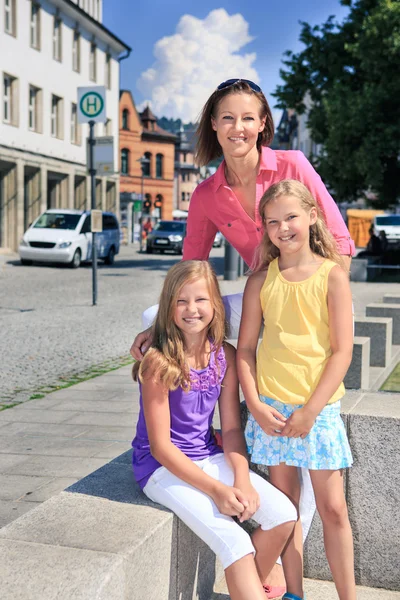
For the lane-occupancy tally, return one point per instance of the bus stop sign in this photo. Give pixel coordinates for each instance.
(92, 104)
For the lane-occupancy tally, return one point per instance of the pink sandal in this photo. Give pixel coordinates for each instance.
(274, 591)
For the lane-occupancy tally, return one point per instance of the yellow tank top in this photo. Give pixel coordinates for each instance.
(295, 345)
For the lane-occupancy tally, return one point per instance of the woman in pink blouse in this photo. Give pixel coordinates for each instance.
(236, 123)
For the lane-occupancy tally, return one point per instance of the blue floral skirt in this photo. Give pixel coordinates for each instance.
(325, 447)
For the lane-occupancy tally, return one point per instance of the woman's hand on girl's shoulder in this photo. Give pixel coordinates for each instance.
(141, 343)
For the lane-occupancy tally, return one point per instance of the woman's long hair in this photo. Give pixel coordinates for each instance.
(207, 147)
(321, 240)
(165, 360)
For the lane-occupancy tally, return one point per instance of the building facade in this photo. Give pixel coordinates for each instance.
(187, 174)
(146, 160)
(293, 132)
(49, 48)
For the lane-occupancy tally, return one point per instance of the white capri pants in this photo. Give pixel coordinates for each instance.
(197, 510)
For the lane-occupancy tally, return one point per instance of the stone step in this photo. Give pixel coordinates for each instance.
(322, 590)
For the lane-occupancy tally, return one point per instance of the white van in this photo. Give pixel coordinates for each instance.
(64, 236)
(390, 224)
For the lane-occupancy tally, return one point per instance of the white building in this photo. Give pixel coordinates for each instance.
(49, 48)
(302, 138)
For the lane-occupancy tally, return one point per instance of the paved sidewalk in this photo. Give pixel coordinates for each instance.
(50, 443)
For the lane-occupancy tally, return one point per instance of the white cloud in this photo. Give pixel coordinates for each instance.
(191, 63)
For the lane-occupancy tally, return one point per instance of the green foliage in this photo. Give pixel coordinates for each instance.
(350, 73)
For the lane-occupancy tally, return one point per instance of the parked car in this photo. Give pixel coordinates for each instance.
(64, 236)
(390, 224)
(218, 240)
(166, 235)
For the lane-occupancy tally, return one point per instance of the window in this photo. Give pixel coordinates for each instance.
(9, 17)
(146, 165)
(108, 127)
(76, 52)
(184, 158)
(107, 74)
(75, 128)
(109, 222)
(183, 196)
(34, 102)
(56, 117)
(10, 100)
(159, 165)
(92, 62)
(57, 43)
(125, 119)
(35, 26)
(86, 227)
(124, 161)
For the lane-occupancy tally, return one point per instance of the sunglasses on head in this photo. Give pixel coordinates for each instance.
(229, 82)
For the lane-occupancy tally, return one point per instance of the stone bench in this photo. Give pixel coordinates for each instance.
(102, 539)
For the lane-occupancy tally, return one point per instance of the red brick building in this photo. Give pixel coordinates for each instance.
(140, 136)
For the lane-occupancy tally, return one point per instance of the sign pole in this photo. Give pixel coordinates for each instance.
(92, 110)
(92, 172)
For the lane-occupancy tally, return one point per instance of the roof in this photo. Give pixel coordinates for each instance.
(77, 9)
(147, 114)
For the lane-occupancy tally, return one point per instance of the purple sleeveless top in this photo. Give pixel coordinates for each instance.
(191, 418)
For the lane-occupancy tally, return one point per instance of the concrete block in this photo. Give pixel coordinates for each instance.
(357, 376)
(391, 311)
(391, 298)
(196, 566)
(380, 332)
(140, 537)
(373, 491)
(359, 271)
(30, 571)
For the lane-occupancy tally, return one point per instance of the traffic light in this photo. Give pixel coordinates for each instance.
(158, 204)
(146, 205)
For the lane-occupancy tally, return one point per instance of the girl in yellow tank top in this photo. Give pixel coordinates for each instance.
(294, 381)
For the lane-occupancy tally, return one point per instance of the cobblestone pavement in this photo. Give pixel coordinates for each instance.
(49, 329)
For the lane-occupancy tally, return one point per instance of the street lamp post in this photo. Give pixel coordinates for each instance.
(143, 160)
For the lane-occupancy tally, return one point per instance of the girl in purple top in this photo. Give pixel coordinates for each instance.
(176, 460)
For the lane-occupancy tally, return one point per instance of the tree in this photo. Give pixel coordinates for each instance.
(351, 72)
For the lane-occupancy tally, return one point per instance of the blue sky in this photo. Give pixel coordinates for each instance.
(181, 51)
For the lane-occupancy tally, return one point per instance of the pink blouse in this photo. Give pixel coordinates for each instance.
(215, 207)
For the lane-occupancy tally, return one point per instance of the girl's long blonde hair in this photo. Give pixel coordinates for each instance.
(165, 360)
(321, 239)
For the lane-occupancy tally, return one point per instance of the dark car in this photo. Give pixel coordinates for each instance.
(166, 235)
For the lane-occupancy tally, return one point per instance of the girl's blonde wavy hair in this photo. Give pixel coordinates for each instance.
(165, 359)
(321, 240)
